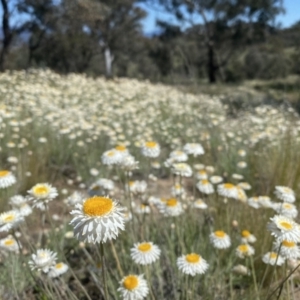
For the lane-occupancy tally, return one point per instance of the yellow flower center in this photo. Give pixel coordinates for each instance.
(41, 190)
(287, 206)
(131, 183)
(287, 190)
(220, 233)
(144, 247)
(9, 242)
(193, 258)
(59, 266)
(243, 248)
(97, 206)
(273, 255)
(111, 153)
(202, 172)
(204, 181)
(246, 233)
(3, 173)
(286, 225)
(130, 282)
(150, 144)
(9, 218)
(171, 202)
(229, 186)
(288, 244)
(120, 148)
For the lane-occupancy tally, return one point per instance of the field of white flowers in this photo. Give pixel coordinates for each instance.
(128, 190)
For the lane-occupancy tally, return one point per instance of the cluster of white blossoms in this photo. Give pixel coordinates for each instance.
(45, 260)
(121, 157)
(117, 120)
(182, 169)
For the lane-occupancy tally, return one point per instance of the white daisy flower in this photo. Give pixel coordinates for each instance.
(194, 149)
(140, 187)
(237, 176)
(178, 156)
(244, 250)
(285, 194)
(9, 244)
(265, 201)
(171, 208)
(205, 187)
(127, 215)
(128, 163)
(142, 209)
(241, 195)
(43, 260)
(228, 190)
(7, 179)
(75, 198)
(254, 202)
(133, 287)
(244, 185)
(286, 209)
(216, 179)
(94, 172)
(150, 149)
(200, 204)
(241, 164)
(242, 153)
(20, 203)
(58, 269)
(247, 237)
(273, 258)
(41, 194)
(106, 184)
(220, 239)
(155, 165)
(177, 190)
(97, 220)
(145, 253)
(10, 219)
(287, 249)
(111, 157)
(201, 174)
(182, 169)
(122, 150)
(241, 270)
(284, 228)
(192, 264)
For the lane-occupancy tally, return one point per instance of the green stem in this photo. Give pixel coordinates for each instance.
(103, 271)
(254, 277)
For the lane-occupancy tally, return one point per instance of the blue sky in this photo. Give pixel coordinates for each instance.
(291, 16)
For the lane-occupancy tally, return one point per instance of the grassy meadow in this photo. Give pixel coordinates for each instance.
(57, 130)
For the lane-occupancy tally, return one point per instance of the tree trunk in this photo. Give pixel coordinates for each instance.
(109, 58)
(7, 34)
(211, 67)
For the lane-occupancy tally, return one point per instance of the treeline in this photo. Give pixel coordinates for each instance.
(229, 41)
